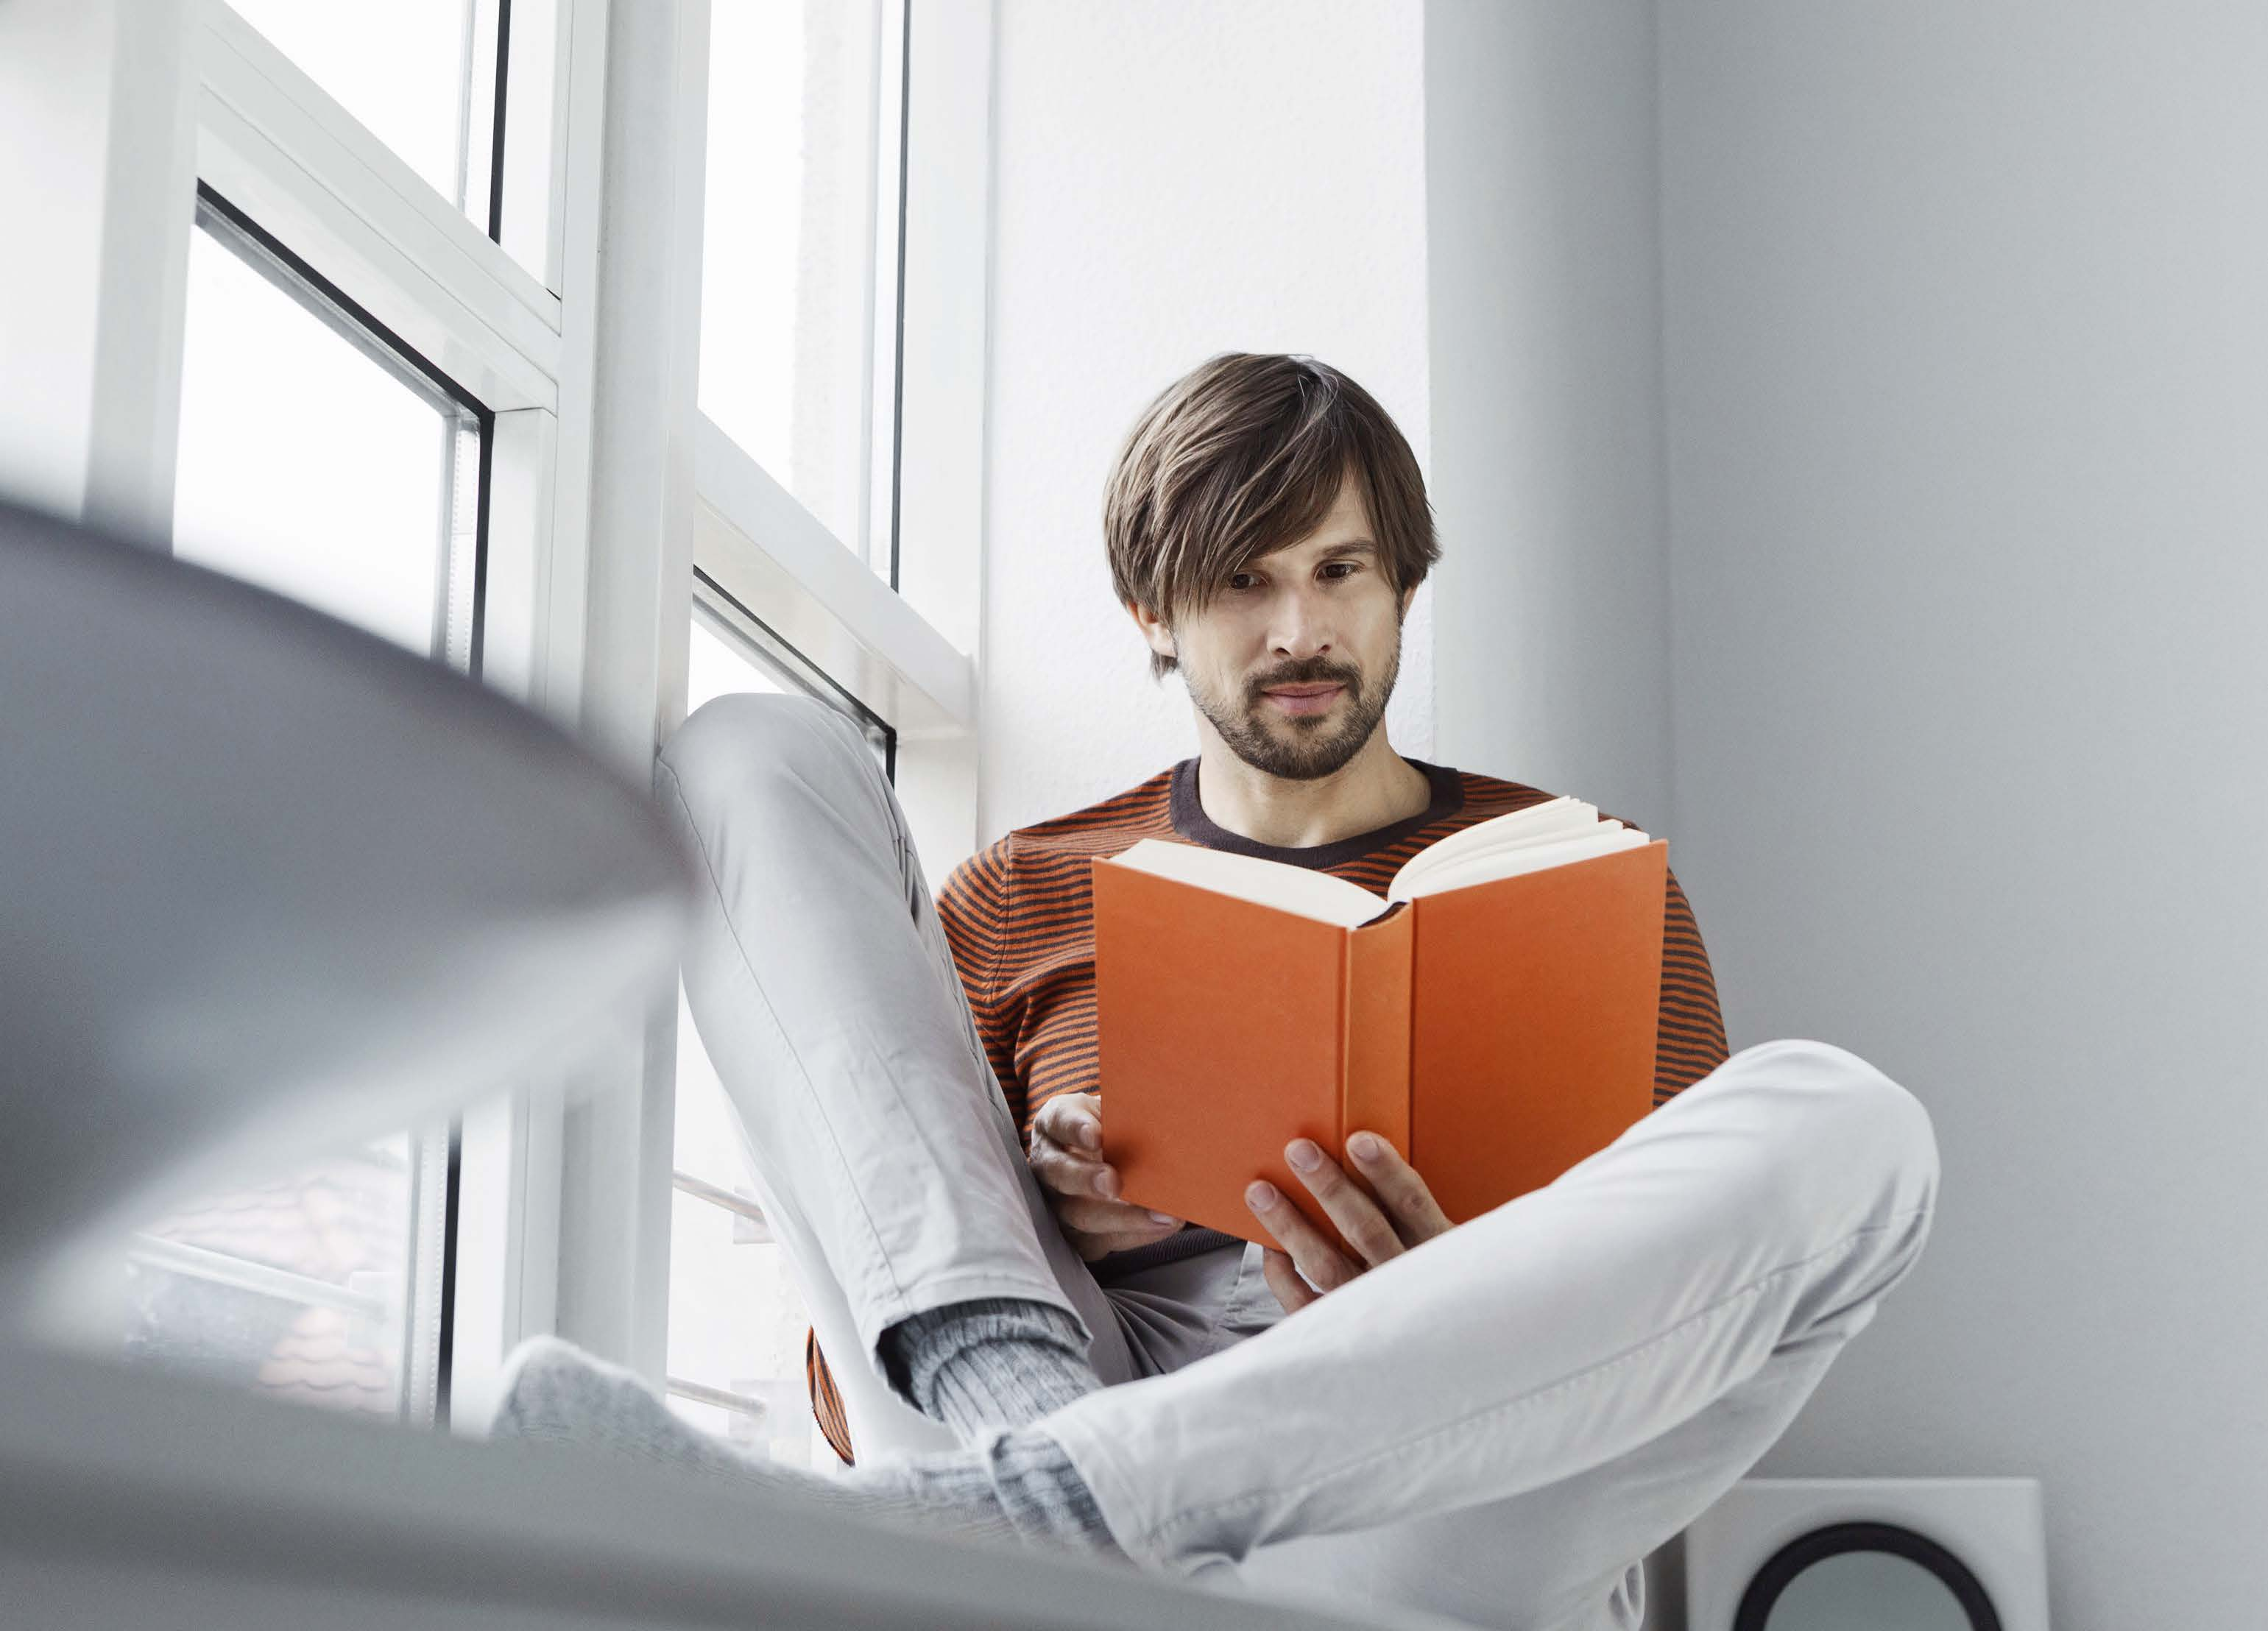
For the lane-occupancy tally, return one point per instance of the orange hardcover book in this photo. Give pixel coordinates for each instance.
(1494, 1018)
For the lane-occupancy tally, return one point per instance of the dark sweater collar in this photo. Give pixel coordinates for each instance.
(1191, 822)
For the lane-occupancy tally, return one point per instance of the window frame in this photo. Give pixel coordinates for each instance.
(599, 510)
(728, 518)
(290, 160)
(904, 643)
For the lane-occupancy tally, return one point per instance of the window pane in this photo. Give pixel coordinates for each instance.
(736, 1323)
(297, 1289)
(707, 1140)
(313, 462)
(716, 668)
(799, 250)
(728, 655)
(310, 468)
(404, 69)
(736, 1333)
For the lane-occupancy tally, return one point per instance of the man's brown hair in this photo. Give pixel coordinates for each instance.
(1241, 456)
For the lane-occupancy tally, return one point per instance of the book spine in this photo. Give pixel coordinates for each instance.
(1374, 1017)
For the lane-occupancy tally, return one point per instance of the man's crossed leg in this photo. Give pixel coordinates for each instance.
(1495, 1426)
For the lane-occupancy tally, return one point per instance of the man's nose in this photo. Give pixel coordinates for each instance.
(1301, 627)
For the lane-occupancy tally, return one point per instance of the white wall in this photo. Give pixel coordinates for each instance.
(1552, 662)
(1967, 354)
(1170, 182)
(1962, 343)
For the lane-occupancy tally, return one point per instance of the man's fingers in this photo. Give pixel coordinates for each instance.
(1089, 1216)
(1083, 1189)
(1093, 1244)
(1074, 1121)
(1321, 1262)
(1357, 1218)
(1284, 1280)
(1067, 1172)
(1416, 1216)
(1090, 1247)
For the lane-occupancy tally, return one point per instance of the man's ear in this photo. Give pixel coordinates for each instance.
(1153, 629)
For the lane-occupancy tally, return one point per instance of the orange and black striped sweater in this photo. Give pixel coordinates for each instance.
(1019, 921)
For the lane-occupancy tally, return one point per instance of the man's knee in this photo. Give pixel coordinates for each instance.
(1834, 1117)
(736, 750)
(1886, 1131)
(1856, 1160)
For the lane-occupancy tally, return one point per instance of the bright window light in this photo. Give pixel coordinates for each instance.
(308, 467)
(313, 462)
(298, 1288)
(799, 252)
(736, 1324)
(716, 667)
(402, 68)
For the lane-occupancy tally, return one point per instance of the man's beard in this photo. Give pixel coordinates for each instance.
(1294, 747)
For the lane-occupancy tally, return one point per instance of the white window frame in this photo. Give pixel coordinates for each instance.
(756, 543)
(138, 106)
(760, 553)
(601, 502)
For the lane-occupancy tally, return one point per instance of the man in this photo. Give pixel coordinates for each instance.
(1494, 1421)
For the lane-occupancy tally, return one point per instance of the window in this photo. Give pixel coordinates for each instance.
(314, 459)
(800, 254)
(361, 369)
(824, 122)
(303, 1287)
(737, 1323)
(433, 81)
(365, 377)
(718, 664)
(405, 72)
(318, 461)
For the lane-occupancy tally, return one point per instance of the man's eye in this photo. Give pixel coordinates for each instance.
(1233, 576)
(1352, 568)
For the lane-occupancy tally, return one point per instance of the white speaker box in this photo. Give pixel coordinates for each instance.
(1768, 1541)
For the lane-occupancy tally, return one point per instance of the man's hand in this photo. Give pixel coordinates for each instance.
(1066, 1155)
(1312, 1264)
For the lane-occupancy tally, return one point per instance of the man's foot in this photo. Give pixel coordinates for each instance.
(1014, 1486)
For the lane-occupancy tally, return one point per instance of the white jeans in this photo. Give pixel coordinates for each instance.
(1496, 1426)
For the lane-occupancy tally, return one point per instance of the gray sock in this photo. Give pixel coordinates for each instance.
(1018, 1485)
(993, 1362)
(1041, 1493)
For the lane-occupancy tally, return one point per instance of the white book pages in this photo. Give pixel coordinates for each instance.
(1295, 889)
(1547, 822)
(1488, 868)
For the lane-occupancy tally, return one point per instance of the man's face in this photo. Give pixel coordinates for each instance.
(1316, 612)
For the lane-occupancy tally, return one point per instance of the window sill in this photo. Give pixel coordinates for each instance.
(128, 1498)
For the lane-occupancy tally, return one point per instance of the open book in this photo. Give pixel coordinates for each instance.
(1494, 1018)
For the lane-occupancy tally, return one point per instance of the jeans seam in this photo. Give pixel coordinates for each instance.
(1152, 1537)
